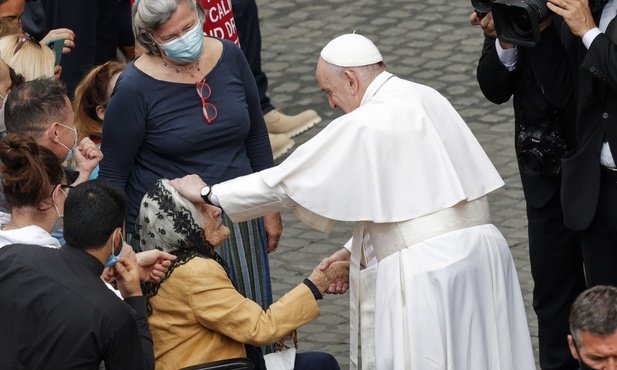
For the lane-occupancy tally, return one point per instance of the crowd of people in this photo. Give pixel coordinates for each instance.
(140, 200)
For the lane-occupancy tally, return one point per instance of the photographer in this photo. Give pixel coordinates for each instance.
(590, 175)
(543, 109)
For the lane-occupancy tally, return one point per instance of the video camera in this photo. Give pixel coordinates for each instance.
(518, 21)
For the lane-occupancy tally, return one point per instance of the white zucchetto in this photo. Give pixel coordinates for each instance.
(351, 50)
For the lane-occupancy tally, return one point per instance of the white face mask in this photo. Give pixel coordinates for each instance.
(71, 150)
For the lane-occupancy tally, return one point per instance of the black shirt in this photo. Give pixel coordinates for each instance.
(57, 313)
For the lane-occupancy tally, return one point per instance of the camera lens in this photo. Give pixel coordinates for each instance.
(531, 161)
(521, 22)
(482, 6)
(518, 21)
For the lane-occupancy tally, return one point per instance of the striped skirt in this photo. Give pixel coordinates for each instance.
(246, 254)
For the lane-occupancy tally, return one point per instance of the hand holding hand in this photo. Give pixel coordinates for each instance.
(153, 265)
(337, 272)
(337, 287)
(190, 187)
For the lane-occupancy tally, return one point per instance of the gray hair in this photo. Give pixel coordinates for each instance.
(364, 73)
(594, 311)
(148, 15)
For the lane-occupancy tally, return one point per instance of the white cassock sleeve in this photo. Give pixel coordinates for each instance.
(248, 197)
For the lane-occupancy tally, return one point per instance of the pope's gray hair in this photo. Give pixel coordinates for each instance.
(365, 73)
(148, 15)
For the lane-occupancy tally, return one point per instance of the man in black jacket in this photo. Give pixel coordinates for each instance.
(56, 312)
(589, 190)
(543, 104)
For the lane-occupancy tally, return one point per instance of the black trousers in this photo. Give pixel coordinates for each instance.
(247, 23)
(599, 241)
(557, 270)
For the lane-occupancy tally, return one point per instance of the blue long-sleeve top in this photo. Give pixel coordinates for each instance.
(156, 129)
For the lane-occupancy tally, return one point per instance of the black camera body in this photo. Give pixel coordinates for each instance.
(541, 148)
(518, 21)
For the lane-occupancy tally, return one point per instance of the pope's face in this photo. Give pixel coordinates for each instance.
(335, 88)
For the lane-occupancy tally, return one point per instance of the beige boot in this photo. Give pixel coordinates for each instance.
(280, 144)
(280, 123)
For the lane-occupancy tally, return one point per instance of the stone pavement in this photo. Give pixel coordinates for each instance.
(430, 42)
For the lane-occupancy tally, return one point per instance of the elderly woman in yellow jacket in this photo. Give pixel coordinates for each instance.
(196, 315)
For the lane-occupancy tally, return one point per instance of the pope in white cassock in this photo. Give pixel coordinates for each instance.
(432, 281)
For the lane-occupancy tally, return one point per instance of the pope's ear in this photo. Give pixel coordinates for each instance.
(351, 81)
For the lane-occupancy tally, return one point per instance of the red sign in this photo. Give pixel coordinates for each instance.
(220, 20)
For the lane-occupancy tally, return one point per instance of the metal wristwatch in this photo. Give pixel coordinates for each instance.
(205, 194)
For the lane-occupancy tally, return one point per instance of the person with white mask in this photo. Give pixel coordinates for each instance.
(40, 108)
(35, 187)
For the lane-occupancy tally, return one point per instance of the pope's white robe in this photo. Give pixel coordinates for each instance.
(404, 164)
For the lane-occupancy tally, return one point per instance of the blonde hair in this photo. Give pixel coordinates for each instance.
(31, 60)
(92, 91)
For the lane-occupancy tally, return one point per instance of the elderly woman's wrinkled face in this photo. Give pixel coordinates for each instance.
(214, 229)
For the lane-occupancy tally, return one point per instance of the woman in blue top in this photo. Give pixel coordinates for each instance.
(189, 104)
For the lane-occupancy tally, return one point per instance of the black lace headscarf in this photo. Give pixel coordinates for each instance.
(169, 222)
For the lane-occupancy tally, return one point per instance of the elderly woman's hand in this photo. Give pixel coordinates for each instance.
(274, 228)
(153, 265)
(337, 272)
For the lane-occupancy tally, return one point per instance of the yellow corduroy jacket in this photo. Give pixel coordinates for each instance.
(198, 316)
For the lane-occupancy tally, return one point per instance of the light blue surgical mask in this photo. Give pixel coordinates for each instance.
(71, 150)
(186, 48)
(113, 259)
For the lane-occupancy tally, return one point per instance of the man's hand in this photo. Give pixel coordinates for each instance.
(576, 13)
(66, 34)
(336, 272)
(153, 265)
(190, 187)
(126, 274)
(274, 228)
(87, 156)
(337, 287)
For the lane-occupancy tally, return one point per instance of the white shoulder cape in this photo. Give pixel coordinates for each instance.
(404, 153)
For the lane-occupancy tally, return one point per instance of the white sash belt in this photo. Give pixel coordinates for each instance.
(389, 238)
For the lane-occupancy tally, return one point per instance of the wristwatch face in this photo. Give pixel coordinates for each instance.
(205, 191)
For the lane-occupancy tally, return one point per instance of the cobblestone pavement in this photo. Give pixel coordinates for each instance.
(429, 42)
